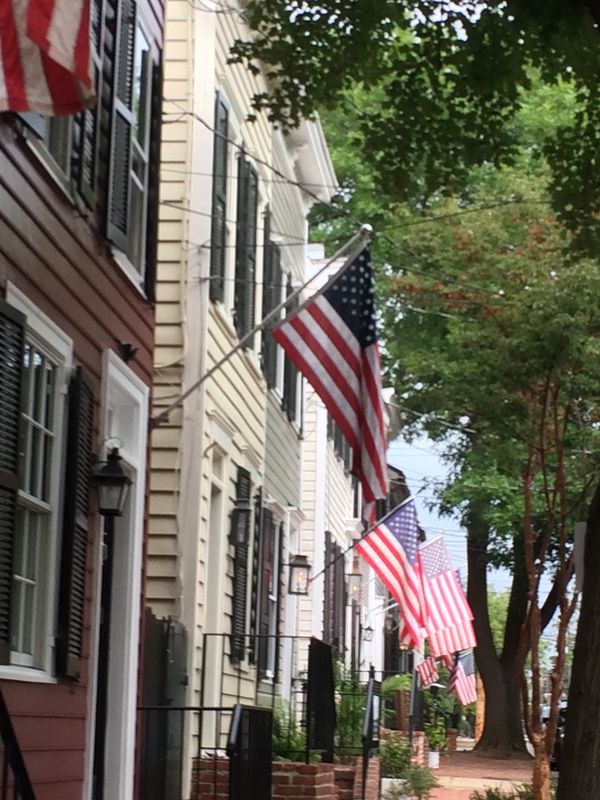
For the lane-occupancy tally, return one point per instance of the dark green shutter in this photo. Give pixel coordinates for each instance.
(328, 591)
(245, 248)
(267, 555)
(290, 370)
(218, 236)
(12, 340)
(280, 592)
(258, 515)
(271, 298)
(240, 577)
(75, 527)
(153, 182)
(84, 144)
(120, 156)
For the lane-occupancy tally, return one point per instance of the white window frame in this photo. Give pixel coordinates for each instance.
(135, 275)
(45, 334)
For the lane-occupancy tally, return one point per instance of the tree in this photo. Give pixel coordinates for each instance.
(449, 76)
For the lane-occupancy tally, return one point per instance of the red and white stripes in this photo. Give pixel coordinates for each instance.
(45, 56)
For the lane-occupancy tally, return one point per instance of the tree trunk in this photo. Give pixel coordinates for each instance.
(580, 755)
(502, 728)
(542, 786)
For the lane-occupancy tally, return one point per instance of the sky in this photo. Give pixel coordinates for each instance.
(421, 464)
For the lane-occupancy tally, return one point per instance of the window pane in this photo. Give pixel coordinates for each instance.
(38, 386)
(49, 399)
(58, 140)
(140, 88)
(33, 482)
(47, 468)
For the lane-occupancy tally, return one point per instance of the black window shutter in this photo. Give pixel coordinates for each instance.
(328, 590)
(218, 237)
(255, 577)
(280, 589)
(339, 602)
(271, 298)
(121, 123)
(245, 248)
(240, 577)
(75, 526)
(290, 370)
(12, 340)
(267, 555)
(153, 182)
(84, 145)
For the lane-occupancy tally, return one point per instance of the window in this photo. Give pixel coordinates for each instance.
(105, 154)
(270, 590)
(71, 142)
(129, 179)
(245, 248)
(341, 446)
(38, 392)
(218, 238)
(271, 298)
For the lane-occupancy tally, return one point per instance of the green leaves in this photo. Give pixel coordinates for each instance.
(450, 80)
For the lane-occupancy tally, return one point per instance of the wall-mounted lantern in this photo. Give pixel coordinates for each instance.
(299, 575)
(240, 522)
(113, 485)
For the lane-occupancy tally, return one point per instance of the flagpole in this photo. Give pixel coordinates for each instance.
(363, 235)
(360, 539)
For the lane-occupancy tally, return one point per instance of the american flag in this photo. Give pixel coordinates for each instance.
(391, 549)
(333, 342)
(462, 679)
(428, 672)
(45, 56)
(448, 616)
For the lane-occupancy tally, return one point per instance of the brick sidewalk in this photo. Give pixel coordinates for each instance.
(462, 773)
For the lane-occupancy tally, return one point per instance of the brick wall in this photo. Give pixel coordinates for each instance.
(210, 779)
(291, 781)
(373, 779)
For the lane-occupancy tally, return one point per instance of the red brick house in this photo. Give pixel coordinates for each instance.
(78, 208)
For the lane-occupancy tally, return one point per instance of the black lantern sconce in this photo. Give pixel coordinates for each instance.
(113, 485)
(367, 634)
(241, 517)
(354, 582)
(299, 575)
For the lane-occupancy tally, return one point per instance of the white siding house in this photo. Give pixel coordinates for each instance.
(232, 242)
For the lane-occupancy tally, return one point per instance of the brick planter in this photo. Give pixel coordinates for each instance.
(292, 781)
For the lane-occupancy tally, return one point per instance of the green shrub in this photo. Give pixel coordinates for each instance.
(289, 740)
(524, 792)
(421, 781)
(418, 783)
(395, 683)
(436, 736)
(395, 752)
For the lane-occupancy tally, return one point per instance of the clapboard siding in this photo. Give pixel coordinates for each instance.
(58, 257)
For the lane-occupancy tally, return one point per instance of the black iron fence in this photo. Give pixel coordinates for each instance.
(14, 778)
(215, 753)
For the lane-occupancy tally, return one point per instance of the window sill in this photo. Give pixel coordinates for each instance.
(129, 270)
(26, 675)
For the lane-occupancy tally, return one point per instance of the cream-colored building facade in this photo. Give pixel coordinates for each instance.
(226, 503)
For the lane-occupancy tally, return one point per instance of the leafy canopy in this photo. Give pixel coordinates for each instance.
(446, 80)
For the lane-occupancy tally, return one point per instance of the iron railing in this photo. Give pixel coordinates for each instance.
(14, 778)
(187, 751)
(370, 731)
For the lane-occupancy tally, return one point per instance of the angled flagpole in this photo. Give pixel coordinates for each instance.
(363, 236)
